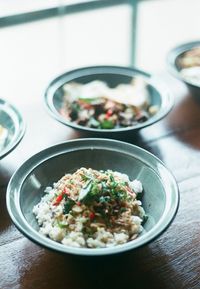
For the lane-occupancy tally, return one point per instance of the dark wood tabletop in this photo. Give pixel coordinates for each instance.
(170, 262)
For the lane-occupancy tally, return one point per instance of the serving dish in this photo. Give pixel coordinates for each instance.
(12, 122)
(160, 198)
(174, 63)
(158, 94)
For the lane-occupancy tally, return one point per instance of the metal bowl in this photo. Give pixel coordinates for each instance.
(26, 187)
(12, 121)
(174, 66)
(112, 75)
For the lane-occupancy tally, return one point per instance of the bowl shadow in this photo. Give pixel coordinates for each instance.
(133, 269)
(132, 137)
(184, 120)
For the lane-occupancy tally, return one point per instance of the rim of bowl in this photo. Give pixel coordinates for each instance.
(173, 55)
(169, 184)
(19, 126)
(166, 98)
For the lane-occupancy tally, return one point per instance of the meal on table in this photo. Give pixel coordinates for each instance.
(91, 209)
(3, 136)
(190, 65)
(96, 105)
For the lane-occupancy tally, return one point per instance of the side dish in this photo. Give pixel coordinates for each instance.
(190, 65)
(91, 209)
(96, 105)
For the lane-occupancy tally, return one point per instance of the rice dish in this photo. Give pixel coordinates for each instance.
(91, 209)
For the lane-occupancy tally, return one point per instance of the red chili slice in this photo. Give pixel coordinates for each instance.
(92, 216)
(58, 199)
(108, 113)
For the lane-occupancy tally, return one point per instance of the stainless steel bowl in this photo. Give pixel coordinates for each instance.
(26, 187)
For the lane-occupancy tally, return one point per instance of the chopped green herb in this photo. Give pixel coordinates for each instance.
(61, 225)
(104, 187)
(95, 189)
(114, 185)
(85, 190)
(112, 178)
(85, 178)
(65, 197)
(68, 206)
(122, 210)
(119, 195)
(104, 199)
(107, 124)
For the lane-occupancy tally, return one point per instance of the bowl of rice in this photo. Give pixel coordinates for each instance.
(92, 197)
(107, 99)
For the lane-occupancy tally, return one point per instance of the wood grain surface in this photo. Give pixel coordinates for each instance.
(170, 262)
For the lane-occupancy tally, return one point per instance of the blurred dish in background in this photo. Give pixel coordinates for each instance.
(97, 105)
(108, 99)
(184, 63)
(12, 128)
(190, 65)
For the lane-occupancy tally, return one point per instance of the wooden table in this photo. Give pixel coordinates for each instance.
(171, 261)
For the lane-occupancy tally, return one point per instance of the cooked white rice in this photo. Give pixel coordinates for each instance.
(90, 208)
